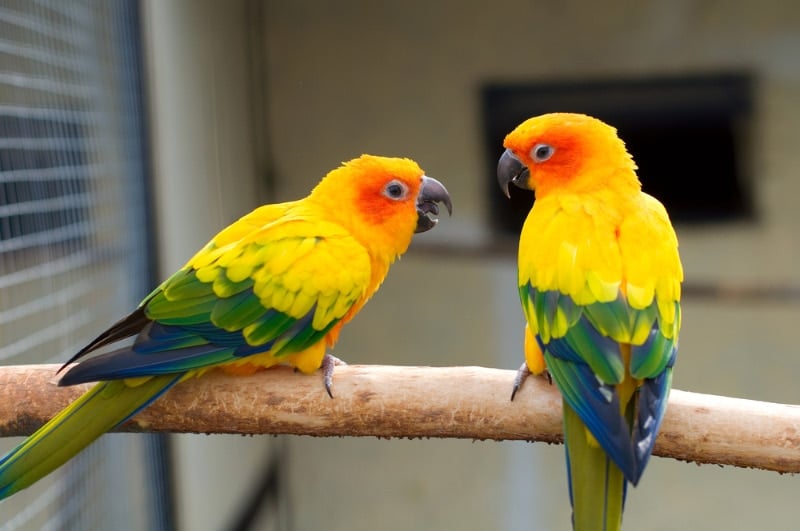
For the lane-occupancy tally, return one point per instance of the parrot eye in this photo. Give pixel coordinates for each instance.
(542, 152)
(395, 190)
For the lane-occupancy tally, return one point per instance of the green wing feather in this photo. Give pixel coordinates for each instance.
(272, 278)
(99, 410)
(278, 290)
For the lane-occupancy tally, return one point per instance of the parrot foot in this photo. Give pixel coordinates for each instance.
(522, 373)
(329, 362)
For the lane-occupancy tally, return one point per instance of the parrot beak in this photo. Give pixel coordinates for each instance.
(431, 193)
(511, 170)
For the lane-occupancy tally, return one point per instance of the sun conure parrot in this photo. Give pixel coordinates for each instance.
(275, 287)
(599, 279)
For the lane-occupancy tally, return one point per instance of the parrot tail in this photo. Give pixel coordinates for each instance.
(596, 485)
(99, 410)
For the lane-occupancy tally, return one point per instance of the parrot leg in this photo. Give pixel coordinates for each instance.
(329, 362)
(522, 373)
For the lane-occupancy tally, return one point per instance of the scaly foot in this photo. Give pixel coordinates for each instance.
(522, 373)
(329, 362)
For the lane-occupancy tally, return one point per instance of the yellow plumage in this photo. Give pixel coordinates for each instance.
(599, 280)
(274, 287)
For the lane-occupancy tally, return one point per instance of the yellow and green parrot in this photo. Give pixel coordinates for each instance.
(275, 287)
(599, 278)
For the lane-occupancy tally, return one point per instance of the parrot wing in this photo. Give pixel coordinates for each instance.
(135, 322)
(278, 289)
(600, 334)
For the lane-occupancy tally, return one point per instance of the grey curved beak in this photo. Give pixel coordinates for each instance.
(431, 193)
(511, 170)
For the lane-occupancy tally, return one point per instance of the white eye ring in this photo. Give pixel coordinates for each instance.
(542, 152)
(395, 190)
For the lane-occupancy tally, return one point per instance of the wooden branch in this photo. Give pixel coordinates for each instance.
(389, 401)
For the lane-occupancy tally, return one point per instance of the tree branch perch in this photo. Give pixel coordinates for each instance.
(390, 401)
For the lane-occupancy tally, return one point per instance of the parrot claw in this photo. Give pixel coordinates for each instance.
(522, 373)
(329, 362)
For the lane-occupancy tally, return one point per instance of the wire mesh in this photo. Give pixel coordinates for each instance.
(74, 233)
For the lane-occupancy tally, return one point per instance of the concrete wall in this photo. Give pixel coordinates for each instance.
(348, 77)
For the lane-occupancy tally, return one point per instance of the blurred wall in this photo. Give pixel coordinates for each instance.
(344, 78)
(351, 77)
(206, 176)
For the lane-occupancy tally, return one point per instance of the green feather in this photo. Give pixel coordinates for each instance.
(100, 409)
(650, 359)
(642, 322)
(571, 311)
(185, 285)
(237, 312)
(181, 312)
(606, 364)
(611, 318)
(544, 314)
(302, 340)
(267, 328)
(596, 484)
(225, 287)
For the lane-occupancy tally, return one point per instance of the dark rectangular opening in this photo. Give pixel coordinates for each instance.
(688, 136)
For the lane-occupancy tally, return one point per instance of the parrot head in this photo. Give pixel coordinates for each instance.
(565, 151)
(383, 201)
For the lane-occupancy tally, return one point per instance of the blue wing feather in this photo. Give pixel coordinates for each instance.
(188, 323)
(598, 406)
(652, 404)
(127, 363)
(162, 349)
(649, 359)
(584, 344)
(585, 362)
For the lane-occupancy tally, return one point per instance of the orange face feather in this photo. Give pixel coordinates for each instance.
(387, 197)
(375, 199)
(570, 152)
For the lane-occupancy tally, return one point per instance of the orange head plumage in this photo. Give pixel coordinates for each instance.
(382, 201)
(567, 152)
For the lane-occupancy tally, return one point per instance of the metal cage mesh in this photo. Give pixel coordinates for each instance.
(74, 233)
